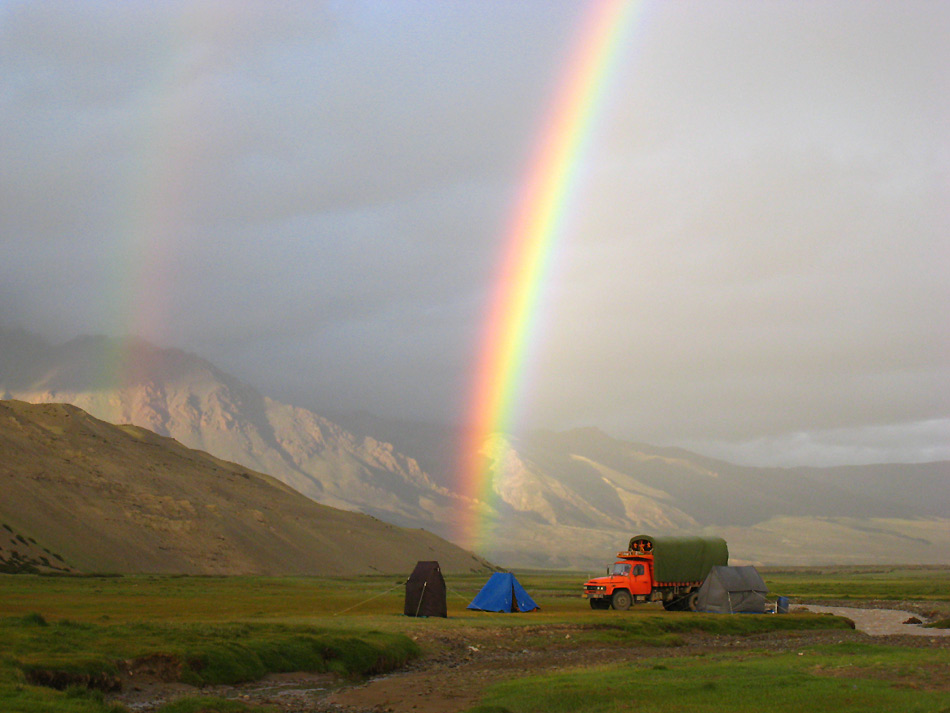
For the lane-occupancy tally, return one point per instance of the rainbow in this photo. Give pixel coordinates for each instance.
(149, 228)
(527, 252)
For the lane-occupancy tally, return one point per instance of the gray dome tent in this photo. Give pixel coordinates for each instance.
(732, 590)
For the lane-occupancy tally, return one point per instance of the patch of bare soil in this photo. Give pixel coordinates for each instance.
(461, 663)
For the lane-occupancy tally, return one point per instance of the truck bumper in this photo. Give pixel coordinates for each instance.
(594, 595)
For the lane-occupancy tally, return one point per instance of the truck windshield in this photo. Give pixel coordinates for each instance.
(620, 569)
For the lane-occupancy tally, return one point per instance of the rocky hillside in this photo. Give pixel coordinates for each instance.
(80, 494)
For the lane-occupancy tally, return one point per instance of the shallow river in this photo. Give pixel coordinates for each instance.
(880, 622)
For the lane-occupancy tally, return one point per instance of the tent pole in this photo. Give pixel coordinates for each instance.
(421, 595)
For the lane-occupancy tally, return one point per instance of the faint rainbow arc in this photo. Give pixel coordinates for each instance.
(167, 143)
(528, 246)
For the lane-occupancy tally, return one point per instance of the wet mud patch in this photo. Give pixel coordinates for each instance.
(298, 692)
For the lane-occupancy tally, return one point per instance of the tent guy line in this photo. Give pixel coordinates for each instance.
(375, 596)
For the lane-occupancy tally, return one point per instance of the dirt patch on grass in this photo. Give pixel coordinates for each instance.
(297, 692)
(158, 667)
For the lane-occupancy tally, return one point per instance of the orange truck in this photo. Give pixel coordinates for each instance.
(665, 569)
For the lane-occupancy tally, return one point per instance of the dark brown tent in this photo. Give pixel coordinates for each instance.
(425, 591)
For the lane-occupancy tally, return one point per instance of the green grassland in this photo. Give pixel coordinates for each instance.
(75, 632)
(865, 677)
(854, 678)
(898, 583)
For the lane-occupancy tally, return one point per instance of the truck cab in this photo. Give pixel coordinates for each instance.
(630, 577)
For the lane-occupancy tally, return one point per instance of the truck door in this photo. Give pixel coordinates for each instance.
(639, 580)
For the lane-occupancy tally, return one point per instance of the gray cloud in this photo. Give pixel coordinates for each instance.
(753, 259)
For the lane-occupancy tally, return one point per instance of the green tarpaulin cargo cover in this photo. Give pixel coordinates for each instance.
(683, 559)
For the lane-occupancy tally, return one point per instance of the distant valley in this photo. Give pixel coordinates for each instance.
(560, 499)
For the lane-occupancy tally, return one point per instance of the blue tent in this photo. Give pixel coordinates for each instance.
(503, 593)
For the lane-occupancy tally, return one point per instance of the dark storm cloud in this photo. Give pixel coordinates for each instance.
(753, 261)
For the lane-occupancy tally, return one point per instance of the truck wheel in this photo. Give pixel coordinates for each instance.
(620, 600)
(599, 604)
(692, 601)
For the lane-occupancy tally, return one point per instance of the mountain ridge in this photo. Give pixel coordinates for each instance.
(559, 499)
(177, 394)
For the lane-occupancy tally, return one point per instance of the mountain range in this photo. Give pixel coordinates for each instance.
(567, 499)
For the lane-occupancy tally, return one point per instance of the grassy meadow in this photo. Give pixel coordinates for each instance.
(919, 583)
(850, 678)
(76, 633)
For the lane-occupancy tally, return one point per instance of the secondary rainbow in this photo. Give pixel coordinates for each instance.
(530, 241)
(169, 127)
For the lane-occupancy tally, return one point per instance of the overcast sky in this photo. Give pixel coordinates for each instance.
(755, 262)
